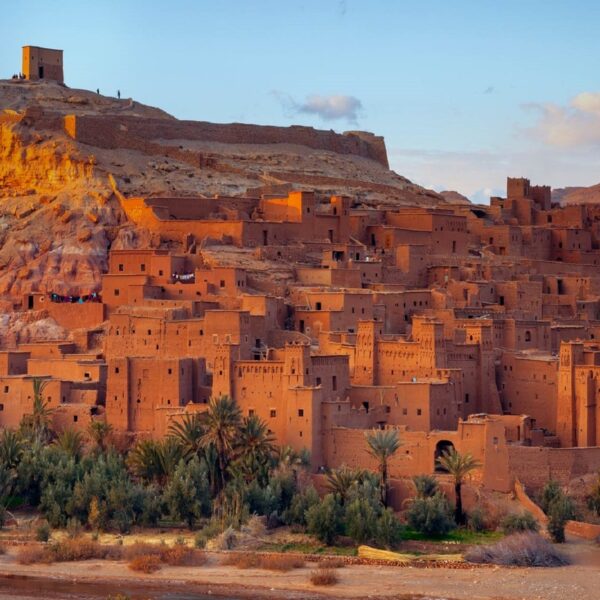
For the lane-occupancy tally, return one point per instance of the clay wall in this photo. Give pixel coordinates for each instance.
(125, 131)
(13, 363)
(528, 386)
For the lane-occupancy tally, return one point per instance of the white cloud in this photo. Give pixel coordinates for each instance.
(328, 108)
(333, 107)
(574, 125)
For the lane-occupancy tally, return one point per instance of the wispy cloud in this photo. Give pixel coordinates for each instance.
(574, 125)
(328, 108)
(489, 90)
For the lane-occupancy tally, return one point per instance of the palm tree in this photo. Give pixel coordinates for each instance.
(383, 444)
(11, 448)
(71, 442)
(100, 433)
(458, 466)
(340, 481)
(189, 433)
(38, 422)
(222, 421)
(145, 460)
(255, 448)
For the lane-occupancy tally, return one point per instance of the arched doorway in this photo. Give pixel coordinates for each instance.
(440, 448)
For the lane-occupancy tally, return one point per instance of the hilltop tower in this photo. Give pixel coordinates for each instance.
(42, 64)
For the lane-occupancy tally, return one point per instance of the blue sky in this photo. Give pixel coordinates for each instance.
(465, 92)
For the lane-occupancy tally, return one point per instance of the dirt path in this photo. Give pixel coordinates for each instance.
(580, 581)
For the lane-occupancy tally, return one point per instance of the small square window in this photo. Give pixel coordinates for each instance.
(75, 418)
(419, 411)
(117, 292)
(170, 371)
(116, 369)
(142, 267)
(273, 413)
(1, 407)
(222, 283)
(300, 412)
(250, 412)
(6, 389)
(405, 411)
(120, 267)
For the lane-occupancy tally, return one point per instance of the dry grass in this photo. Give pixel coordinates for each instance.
(323, 576)
(280, 562)
(522, 550)
(332, 563)
(74, 549)
(180, 556)
(241, 560)
(30, 555)
(270, 562)
(145, 563)
(142, 549)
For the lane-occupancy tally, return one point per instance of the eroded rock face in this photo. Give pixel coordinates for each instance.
(32, 326)
(58, 212)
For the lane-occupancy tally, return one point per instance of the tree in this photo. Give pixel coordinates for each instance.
(458, 466)
(187, 495)
(324, 520)
(560, 511)
(593, 498)
(146, 462)
(255, 449)
(11, 448)
(222, 421)
(430, 515)
(38, 422)
(189, 432)
(100, 433)
(71, 442)
(383, 444)
(340, 481)
(426, 485)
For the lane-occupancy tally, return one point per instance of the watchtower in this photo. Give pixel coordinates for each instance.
(42, 63)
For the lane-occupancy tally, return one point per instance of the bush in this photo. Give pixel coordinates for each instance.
(476, 520)
(30, 555)
(324, 577)
(74, 528)
(388, 532)
(299, 507)
(74, 549)
(241, 560)
(145, 563)
(280, 562)
(521, 550)
(431, 516)
(361, 520)
(332, 563)
(324, 520)
(560, 511)
(426, 485)
(180, 556)
(550, 493)
(593, 498)
(43, 532)
(519, 522)
(142, 549)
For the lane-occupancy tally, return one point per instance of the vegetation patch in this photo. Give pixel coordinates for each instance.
(324, 576)
(521, 550)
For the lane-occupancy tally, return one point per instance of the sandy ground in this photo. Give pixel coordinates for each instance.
(580, 581)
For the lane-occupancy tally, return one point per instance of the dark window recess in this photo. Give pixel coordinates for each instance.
(300, 412)
(273, 413)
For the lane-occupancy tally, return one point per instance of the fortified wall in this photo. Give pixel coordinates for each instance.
(136, 132)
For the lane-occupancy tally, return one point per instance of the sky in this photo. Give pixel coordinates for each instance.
(465, 92)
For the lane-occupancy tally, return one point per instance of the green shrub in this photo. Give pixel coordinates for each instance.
(560, 511)
(519, 522)
(476, 520)
(389, 530)
(324, 520)
(301, 503)
(43, 532)
(431, 516)
(549, 494)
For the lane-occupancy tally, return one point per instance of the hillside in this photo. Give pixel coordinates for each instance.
(59, 146)
(577, 195)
